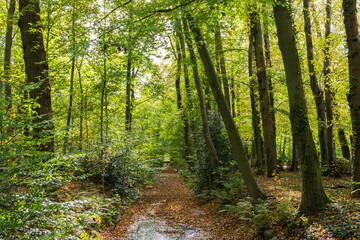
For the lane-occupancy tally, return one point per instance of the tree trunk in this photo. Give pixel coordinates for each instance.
(269, 78)
(102, 107)
(344, 144)
(267, 120)
(36, 69)
(295, 157)
(71, 93)
(188, 103)
(232, 92)
(222, 66)
(128, 94)
(313, 196)
(328, 92)
(203, 112)
(7, 55)
(353, 42)
(317, 92)
(259, 147)
(81, 107)
(248, 176)
(179, 100)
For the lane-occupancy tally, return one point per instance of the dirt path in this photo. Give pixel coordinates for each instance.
(174, 213)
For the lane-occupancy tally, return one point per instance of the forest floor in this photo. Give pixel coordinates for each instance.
(169, 210)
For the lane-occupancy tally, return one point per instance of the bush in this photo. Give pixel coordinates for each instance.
(263, 215)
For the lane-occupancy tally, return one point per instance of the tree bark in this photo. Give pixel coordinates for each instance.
(317, 92)
(71, 92)
(222, 66)
(203, 112)
(7, 55)
(313, 196)
(269, 78)
(328, 92)
(343, 143)
(128, 93)
(267, 120)
(248, 176)
(353, 43)
(258, 141)
(179, 100)
(36, 68)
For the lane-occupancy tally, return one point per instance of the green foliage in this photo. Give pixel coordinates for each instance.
(230, 188)
(263, 215)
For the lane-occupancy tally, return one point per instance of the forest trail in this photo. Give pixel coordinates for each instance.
(169, 210)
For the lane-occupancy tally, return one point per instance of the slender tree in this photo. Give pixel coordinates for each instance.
(266, 117)
(36, 68)
(353, 43)
(328, 92)
(7, 55)
(221, 58)
(203, 112)
(313, 196)
(316, 90)
(258, 141)
(241, 157)
(72, 74)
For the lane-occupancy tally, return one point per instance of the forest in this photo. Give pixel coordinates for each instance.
(181, 119)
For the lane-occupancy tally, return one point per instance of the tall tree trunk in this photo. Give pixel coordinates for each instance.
(7, 55)
(179, 99)
(259, 147)
(188, 103)
(102, 106)
(328, 92)
(241, 157)
(317, 92)
(269, 78)
(128, 93)
(267, 120)
(343, 143)
(81, 107)
(232, 92)
(36, 68)
(313, 196)
(221, 57)
(71, 92)
(353, 42)
(203, 112)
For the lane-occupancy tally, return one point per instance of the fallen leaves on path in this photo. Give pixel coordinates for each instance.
(173, 202)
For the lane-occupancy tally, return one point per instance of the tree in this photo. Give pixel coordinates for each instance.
(328, 92)
(7, 54)
(267, 119)
(316, 90)
(313, 197)
(258, 141)
(36, 69)
(203, 112)
(353, 43)
(241, 157)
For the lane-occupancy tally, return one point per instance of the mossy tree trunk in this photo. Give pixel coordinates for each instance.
(36, 68)
(258, 141)
(313, 196)
(353, 43)
(328, 92)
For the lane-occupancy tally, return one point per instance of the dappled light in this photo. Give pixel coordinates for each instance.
(179, 119)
